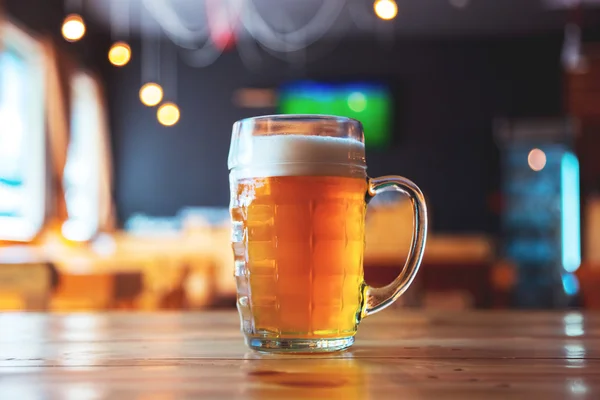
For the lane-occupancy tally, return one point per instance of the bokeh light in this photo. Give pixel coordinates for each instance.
(168, 114)
(119, 54)
(385, 9)
(570, 284)
(73, 28)
(536, 159)
(151, 94)
(357, 102)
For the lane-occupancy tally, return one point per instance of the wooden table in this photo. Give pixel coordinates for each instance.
(397, 355)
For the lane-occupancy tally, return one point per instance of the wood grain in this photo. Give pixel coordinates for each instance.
(407, 354)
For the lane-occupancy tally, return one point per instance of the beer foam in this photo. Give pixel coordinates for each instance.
(293, 155)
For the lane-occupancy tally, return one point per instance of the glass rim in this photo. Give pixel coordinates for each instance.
(300, 118)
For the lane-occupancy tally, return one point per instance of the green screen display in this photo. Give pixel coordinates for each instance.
(369, 103)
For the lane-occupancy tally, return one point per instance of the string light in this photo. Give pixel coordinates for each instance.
(250, 18)
(151, 94)
(73, 28)
(168, 114)
(385, 9)
(119, 54)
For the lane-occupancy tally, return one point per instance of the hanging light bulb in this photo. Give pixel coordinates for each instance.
(119, 54)
(168, 114)
(385, 9)
(151, 94)
(73, 27)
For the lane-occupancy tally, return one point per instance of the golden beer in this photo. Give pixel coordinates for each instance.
(298, 247)
(299, 188)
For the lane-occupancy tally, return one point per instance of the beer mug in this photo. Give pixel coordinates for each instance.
(299, 194)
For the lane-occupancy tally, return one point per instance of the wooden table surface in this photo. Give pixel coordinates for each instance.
(398, 354)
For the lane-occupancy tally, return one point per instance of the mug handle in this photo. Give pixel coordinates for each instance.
(376, 299)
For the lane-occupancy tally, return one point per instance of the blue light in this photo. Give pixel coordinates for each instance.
(570, 284)
(570, 217)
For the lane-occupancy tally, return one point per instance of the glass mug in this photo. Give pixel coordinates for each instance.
(299, 193)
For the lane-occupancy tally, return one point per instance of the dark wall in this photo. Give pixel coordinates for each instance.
(45, 18)
(448, 93)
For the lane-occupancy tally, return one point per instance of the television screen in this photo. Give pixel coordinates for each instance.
(369, 103)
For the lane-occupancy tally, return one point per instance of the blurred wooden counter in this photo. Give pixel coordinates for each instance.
(408, 355)
(457, 271)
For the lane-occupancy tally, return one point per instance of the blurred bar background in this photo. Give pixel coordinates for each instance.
(115, 121)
